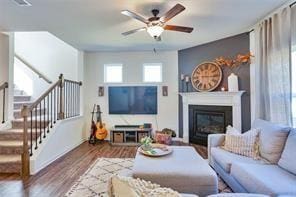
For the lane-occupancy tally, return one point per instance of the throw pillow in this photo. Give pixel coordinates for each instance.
(245, 144)
(288, 158)
(162, 138)
(272, 139)
(128, 186)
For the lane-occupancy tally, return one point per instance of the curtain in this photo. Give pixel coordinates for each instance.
(293, 34)
(273, 68)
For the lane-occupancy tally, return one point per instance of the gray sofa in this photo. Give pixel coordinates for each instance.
(274, 174)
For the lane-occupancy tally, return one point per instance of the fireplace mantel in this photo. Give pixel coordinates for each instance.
(217, 98)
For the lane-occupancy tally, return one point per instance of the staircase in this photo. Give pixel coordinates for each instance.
(11, 140)
(32, 122)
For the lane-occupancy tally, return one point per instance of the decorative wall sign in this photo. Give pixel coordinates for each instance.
(165, 91)
(101, 90)
(206, 76)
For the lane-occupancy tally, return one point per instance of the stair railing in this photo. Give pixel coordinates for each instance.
(60, 101)
(3, 88)
(31, 67)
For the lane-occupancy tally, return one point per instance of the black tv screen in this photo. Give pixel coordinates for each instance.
(133, 100)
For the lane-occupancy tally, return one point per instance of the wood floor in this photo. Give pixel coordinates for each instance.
(57, 178)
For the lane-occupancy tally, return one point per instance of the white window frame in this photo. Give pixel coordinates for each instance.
(153, 64)
(113, 65)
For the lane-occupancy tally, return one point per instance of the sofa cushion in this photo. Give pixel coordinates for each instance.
(225, 158)
(128, 186)
(265, 179)
(288, 158)
(272, 139)
(245, 144)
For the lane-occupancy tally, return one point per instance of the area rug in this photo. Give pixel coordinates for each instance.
(94, 182)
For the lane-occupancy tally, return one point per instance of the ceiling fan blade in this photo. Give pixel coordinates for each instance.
(178, 8)
(178, 28)
(135, 16)
(134, 31)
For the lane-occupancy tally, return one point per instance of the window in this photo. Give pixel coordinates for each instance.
(152, 72)
(294, 86)
(113, 73)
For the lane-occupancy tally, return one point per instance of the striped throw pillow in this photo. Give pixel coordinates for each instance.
(246, 144)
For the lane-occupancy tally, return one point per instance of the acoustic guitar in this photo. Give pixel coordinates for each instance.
(101, 132)
(92, 137)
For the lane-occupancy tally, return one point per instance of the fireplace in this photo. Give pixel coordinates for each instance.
(207, 119)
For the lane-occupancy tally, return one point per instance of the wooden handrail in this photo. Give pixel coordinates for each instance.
(76, 82)
(35, 70)
(3, 86)
(60, 101)
(45, 94)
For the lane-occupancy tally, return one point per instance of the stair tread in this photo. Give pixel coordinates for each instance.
(34, 118)
(11, 131)
(10, 159)
(11, 143)
(19, 110)
(23, 102)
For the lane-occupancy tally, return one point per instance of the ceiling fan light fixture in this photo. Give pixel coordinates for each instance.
(155, 30)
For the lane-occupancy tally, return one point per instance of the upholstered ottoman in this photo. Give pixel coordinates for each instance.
(184, 171)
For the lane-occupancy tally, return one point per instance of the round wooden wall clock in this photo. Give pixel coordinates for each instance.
(206, 76)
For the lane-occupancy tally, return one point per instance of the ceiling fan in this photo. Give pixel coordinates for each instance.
(155, 24)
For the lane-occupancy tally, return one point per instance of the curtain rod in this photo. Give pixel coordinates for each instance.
(291, 5)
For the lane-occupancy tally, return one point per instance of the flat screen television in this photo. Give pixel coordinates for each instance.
(132, 99)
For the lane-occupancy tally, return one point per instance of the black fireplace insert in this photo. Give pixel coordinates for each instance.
(205, 120)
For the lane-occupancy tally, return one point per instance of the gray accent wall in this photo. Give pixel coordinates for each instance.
(228, 47)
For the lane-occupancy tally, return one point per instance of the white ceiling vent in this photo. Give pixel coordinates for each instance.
(22, 3)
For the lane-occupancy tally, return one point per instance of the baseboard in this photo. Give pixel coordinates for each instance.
(45, 164)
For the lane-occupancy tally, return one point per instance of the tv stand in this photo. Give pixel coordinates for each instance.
(128, 136)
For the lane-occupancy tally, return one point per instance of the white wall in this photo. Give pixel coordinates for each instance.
(167, 116)
(50, 55)
(65, 136)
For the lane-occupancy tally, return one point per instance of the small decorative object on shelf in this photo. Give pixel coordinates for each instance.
(234, 66)
(101, 90)
(165, 91)
(187, 81)
(182, 82)
(223, 89)
(232, 83)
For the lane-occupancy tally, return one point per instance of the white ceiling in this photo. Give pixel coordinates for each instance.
(96, 25)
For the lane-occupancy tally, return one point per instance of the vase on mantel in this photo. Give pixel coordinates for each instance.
(232, 83)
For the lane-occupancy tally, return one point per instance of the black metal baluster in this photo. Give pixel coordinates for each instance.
(75, 99)
(58, 102)
(47, 109)
(36, 129)
(54, 108)
(70, 98)
(79, 99)
(51, 110)
(31, 134)
(44, 119)
(65, 98)
(40, 124)
(3, 107)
